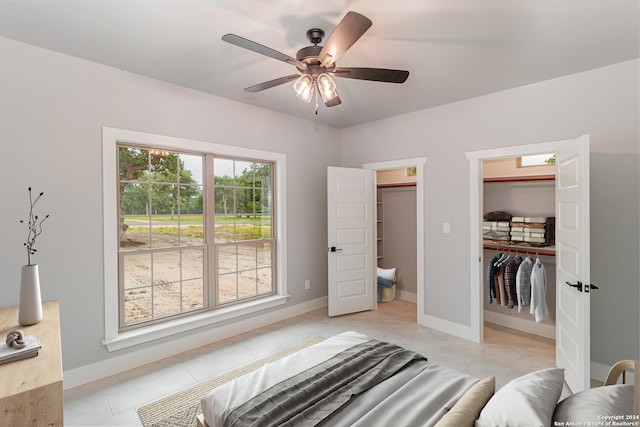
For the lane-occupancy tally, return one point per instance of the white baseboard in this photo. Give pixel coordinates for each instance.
(120, 363)
(542, 329)
(407, 296)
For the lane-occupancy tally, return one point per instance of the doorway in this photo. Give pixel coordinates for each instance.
(417, 165)
(572, 250)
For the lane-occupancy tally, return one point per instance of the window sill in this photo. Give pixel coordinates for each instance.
(163, 330)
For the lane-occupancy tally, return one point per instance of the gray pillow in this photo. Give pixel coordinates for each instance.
(593, 404)
(527, 401)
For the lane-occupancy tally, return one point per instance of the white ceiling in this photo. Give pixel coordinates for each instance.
(454, 49)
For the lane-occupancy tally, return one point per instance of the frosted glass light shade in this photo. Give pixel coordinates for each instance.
(303, 87)
(326, 87)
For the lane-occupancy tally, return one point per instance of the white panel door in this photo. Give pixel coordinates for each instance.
(572, 263)
(350, 221)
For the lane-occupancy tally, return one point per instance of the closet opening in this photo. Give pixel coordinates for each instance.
(388, 242)
(396, 240)
(572, 248)
(518, 240)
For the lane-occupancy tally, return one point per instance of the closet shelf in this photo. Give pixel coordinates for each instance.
(545, 250)
(521, 178)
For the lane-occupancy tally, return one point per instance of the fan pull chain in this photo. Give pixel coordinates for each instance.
(316, 96)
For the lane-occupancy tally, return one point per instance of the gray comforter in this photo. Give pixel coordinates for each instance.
(315, 394)
(382, 385)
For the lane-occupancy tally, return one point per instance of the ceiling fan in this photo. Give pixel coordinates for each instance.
(318, 63)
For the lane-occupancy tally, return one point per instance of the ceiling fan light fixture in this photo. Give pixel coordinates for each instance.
(326, 87)
(303, 87)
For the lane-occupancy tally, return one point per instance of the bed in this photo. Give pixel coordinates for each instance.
(352, 380)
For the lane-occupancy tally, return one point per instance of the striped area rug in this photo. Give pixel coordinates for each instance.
(180, 409)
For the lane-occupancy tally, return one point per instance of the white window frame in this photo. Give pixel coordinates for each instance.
(115, 340)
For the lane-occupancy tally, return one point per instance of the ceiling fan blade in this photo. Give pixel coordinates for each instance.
(333, 102)
(348, 31)
(374, 74)
(271, 83)
(262, 50)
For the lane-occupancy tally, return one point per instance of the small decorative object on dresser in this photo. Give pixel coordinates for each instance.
(30, 308)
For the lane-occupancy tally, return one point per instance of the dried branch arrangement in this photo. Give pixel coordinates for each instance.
(34, 225)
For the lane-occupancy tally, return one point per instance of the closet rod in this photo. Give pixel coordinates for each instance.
(521, 250)
(399, 184)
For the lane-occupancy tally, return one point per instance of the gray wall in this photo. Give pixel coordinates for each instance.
(52, 109)
(602, 103)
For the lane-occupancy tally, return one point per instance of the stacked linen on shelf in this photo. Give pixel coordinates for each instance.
(496, 231)
(533, 231)
(496, 227)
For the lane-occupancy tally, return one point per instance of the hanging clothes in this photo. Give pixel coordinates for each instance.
(491, 270)
(501, 289)
(523, 283)
(510, 271)
(538, 291)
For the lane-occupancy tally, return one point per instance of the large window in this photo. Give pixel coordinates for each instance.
(195, 233)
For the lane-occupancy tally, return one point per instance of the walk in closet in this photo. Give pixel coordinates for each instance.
(519, 225)
(396, 227)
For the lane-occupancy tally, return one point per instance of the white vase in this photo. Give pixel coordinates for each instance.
(30, 309)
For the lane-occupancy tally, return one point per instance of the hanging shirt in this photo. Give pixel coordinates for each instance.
(510, 271)
(538, 291)
(491, 269)
(501, 289)
(523, 283)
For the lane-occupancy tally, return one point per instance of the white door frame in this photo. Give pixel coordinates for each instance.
(475, 219)
(418, 163)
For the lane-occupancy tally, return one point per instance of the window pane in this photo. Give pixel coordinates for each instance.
(190, 169)
(223, 171)
(538, 159)
(164, 218)
(263, 219)
(192, 294)
(137, 305)
(191, 200)
(164, 166)
(243, 174)
(192, 264)
(191, 217)
(227, 288)
(264, 253)
(247, 284)
(166, 267)
(166, 299)
(227, 259)
(263, 176)
(137, 270)
(132, 163)
(265, 280)
(134, 220)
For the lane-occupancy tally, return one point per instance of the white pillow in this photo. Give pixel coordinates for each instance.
(591, 405)
(387, 273)
(527, 401)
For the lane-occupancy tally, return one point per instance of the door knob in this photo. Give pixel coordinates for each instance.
(577, 286)
(334, 249)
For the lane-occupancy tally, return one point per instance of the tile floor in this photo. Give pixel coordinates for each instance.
(112, 401)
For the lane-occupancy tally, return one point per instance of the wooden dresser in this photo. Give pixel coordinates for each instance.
(31, 389)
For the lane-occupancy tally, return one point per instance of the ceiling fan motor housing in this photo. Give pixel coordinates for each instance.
(315, 35)
(310, 56)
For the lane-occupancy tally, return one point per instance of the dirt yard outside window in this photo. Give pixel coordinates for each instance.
(168, 282)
